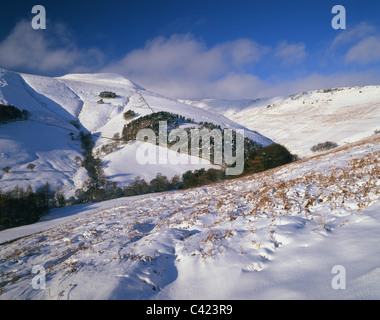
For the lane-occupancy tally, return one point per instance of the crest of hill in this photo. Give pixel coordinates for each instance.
(301, 121)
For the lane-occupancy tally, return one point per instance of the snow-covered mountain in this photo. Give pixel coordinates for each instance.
(299, 122)
(60, 107)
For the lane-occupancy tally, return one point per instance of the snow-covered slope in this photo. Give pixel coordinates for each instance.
(280, 234)
(107, 118)
(301, 121)
(43, 140)
(59, 106)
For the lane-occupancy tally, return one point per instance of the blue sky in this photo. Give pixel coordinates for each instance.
(199, 49)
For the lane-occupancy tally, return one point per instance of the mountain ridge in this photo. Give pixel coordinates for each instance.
(300, 121)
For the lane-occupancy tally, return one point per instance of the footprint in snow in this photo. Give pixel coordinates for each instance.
(254, 267)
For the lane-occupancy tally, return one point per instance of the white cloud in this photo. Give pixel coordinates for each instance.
(365, 52)
(358, 45)
(177, 56)
(183, 66)
(353, 34)
(290, 53)
(242, 52)
(238, 85)
(44, 50)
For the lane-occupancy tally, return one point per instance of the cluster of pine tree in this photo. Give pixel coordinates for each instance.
(11, 113)
(257, 159)
(202, 177)
(128, 115)
(107, 94)
(159, 184)
(150, 121)
(92, 193)
(20, 207)
(272, 156)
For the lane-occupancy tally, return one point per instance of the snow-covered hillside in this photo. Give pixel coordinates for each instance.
(279, 234)
(340, 115)
(63, 106)
(43, 140)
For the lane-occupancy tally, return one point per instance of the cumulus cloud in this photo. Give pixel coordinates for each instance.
(359, 45)
(290, 53)
(183, 66)
(177, 56)
(49, 50)
(238, 85)
(241, 52)
(353, 34)
(366, 51)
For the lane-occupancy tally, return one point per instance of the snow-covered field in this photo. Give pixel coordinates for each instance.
(294, 232)
(340, 115)
(274, 235)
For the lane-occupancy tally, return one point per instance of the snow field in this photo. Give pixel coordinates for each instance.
(273, 235)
